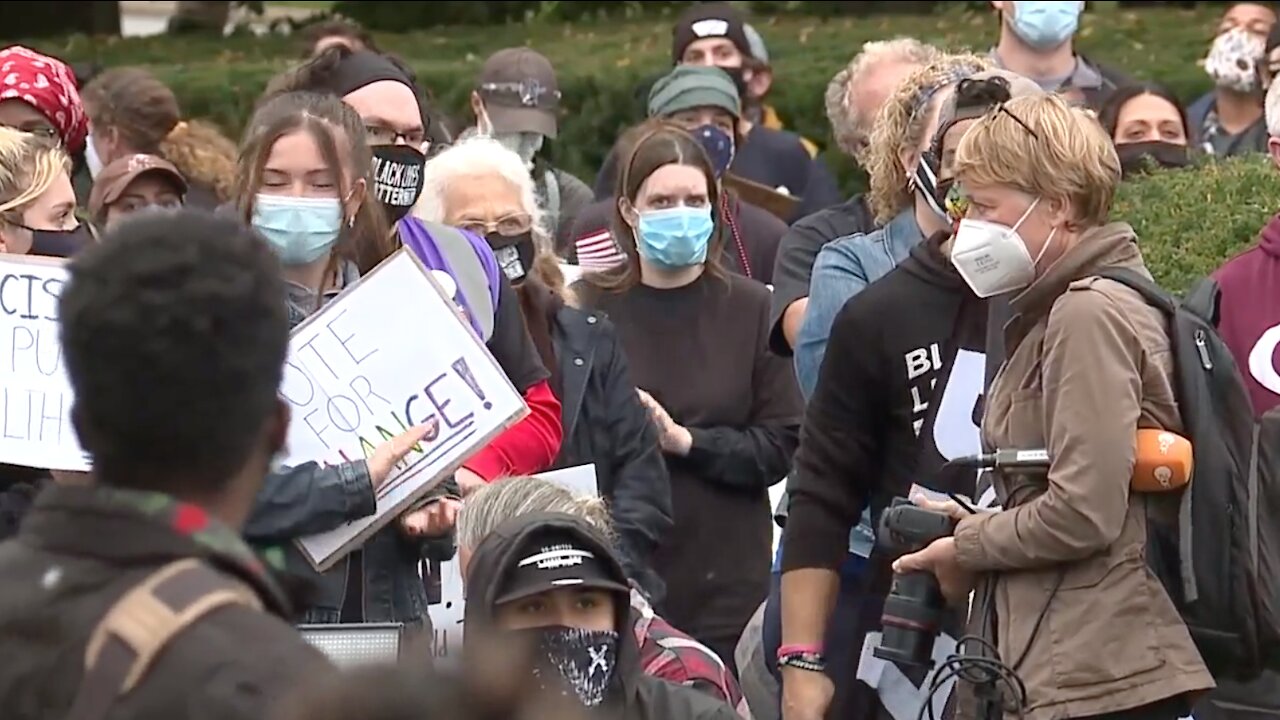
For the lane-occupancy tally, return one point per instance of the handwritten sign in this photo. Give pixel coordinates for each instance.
(35, 394)
(390, 353)
(447, 615)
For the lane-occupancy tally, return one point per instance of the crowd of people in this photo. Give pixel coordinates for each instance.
(705, 319)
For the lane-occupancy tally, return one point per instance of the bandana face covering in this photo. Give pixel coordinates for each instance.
(575, 662)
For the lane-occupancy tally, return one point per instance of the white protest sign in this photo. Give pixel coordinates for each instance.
(389, 353)
(446, 616)
(35, 394)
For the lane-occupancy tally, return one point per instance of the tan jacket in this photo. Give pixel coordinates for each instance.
(1088, 363)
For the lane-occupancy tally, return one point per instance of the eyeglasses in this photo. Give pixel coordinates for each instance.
(379, 135)
(508, 226)
(1001, 109)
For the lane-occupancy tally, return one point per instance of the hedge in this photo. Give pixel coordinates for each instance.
(1190, 221)
(605, 67)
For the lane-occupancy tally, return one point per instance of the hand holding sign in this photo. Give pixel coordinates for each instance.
(390, 453)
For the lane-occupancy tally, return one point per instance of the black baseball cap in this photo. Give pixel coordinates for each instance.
(709, 20)
(555, 559)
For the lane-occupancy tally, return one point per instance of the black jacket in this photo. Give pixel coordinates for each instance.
(636, 696)
(605, 424)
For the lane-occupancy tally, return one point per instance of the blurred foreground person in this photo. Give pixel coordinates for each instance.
(147, 565)
(550, 583)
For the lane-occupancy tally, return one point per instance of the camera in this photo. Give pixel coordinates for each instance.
(913, 611)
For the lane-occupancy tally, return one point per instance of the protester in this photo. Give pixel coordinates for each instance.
(665, 652)
(711, 34)
(134, 183)
(552, 583)
(853, 98)
(37, 202)
(483, 187)
(704, 102)
(904, 195)
(179, 452)
(1251, 329)
(304, 177)
(727, 410)
(38, 94)
(131, 112)
(756, 65)
(1229, 120)
(1081, 616)
(1037, 42)
(397, 125)
(1148, 126)
(516, 101)
(320, 36)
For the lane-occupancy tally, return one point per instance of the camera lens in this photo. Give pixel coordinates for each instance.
(911, 620)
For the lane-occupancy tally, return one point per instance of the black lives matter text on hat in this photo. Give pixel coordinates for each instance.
(397, 178)
(520, 92)
(553, 561)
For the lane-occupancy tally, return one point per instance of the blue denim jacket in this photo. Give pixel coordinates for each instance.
(308, 499)
(844, 267)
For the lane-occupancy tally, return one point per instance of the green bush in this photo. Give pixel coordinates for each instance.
(605, 67)
(1190, 221)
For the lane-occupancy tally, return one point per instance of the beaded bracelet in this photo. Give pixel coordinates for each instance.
(811, 661)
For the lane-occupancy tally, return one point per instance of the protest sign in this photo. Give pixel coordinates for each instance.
(446, 616)
(35, 394)
(389, 353)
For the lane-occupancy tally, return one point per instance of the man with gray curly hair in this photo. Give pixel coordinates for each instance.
(852, 98)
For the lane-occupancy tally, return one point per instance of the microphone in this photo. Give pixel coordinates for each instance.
(1163, 461)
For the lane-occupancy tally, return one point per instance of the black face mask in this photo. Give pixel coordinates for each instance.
(60, 243)
(1138, 158)
(573, 662)
(397, 178)
(738, 75)
(514, 254)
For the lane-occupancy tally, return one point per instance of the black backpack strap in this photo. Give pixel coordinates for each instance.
(1155, 295)
(1203, 299)
(141, 623)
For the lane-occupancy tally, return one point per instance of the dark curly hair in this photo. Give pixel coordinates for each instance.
(174, 330)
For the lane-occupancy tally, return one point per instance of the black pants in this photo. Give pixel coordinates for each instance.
(1167, 709)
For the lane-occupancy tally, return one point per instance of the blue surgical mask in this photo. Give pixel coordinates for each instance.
(675, 238)
(301, 230)
(718, 144)
(1044, 24)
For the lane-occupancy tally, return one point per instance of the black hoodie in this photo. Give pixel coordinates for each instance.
(899, 394)
(640, 697)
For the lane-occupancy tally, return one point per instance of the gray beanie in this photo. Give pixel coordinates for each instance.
(693, 86)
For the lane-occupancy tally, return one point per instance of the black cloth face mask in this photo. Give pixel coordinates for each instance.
(514, 254)
(60, 243)
(1137, 158)
(574, 662)
(397, 178)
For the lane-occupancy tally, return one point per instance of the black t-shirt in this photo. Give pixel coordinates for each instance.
(798, 251)
(511, 345)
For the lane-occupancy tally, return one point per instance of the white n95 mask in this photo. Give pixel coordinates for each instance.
(992, 258)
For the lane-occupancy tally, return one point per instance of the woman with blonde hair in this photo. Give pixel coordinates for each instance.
(1082, 620)
(132, 112)
(904, 196)
(484, 188)
(37, 201)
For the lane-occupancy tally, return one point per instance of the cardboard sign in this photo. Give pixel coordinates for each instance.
(389, 353)
(35, 394)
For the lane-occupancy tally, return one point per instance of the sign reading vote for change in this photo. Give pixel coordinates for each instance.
(390, 353)
(35, 395)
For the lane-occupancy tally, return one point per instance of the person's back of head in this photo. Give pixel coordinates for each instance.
(859, 90)
(175, 333)
(320, 36)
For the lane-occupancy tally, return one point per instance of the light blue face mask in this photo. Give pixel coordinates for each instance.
(1046, 24)
(676, 237)
(301, 230)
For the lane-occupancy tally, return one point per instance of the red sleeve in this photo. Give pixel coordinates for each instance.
(529, 446)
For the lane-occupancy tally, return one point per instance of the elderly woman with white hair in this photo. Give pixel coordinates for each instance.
(481, 186)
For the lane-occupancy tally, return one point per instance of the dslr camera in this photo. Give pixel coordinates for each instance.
(913, 611)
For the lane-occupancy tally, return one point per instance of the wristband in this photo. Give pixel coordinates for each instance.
(812, 662)
(800, 649)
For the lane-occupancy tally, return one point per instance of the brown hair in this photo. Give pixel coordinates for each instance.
(339, 133)
(335, 27)
(643, 150)
(145, 112)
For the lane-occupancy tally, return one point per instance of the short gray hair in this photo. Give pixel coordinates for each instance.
(851, 124)
(489, 507)
(1273, 110)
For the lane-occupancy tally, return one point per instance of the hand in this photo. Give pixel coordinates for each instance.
(940, 560)
(468, 482)
(71, 477)
(435, 519)
(389, 454)
(946, 507)
(806, 695)
(672, 437)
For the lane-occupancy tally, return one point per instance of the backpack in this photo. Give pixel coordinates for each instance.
(1221, 564)
(141, 624)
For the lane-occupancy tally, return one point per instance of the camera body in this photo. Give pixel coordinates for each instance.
(913, 611)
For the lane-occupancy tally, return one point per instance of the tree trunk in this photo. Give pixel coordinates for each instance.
(197, 17)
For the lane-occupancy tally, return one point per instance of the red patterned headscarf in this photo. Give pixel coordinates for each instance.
(48, 85)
